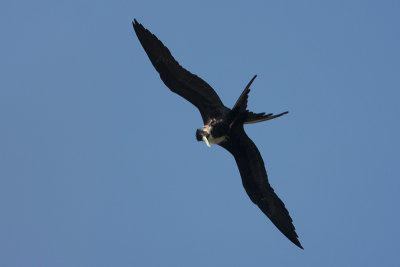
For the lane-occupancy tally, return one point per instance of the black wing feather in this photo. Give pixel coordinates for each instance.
(255, 182)
(179, 80)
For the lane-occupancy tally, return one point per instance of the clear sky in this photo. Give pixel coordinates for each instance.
(99, 165)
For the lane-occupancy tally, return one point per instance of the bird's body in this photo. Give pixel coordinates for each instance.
(223, 126)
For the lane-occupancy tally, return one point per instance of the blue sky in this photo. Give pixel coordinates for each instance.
(99, 165)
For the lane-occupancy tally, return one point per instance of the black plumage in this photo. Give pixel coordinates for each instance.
(223, 126)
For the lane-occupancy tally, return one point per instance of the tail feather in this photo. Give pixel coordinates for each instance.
(258, 117)
(241, 103)
(239, 112)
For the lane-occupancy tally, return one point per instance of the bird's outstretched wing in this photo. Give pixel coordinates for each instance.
(180, 81)
(255, 182)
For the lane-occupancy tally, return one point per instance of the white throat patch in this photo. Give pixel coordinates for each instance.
(211, 139)
(217, 140)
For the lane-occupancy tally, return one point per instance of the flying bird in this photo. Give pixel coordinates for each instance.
(222, 126)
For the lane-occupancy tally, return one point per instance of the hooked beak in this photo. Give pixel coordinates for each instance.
(206, 141)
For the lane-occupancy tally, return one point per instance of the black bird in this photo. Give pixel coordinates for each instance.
(222, 126)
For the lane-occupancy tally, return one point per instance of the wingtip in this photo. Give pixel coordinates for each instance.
(298, 244)
(135, 23)
(294, 238)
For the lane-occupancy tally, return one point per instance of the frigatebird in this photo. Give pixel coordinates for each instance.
(222, 126)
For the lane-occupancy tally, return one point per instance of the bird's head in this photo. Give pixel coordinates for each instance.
(203, 135)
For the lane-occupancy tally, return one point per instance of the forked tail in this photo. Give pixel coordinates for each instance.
(239, 110)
